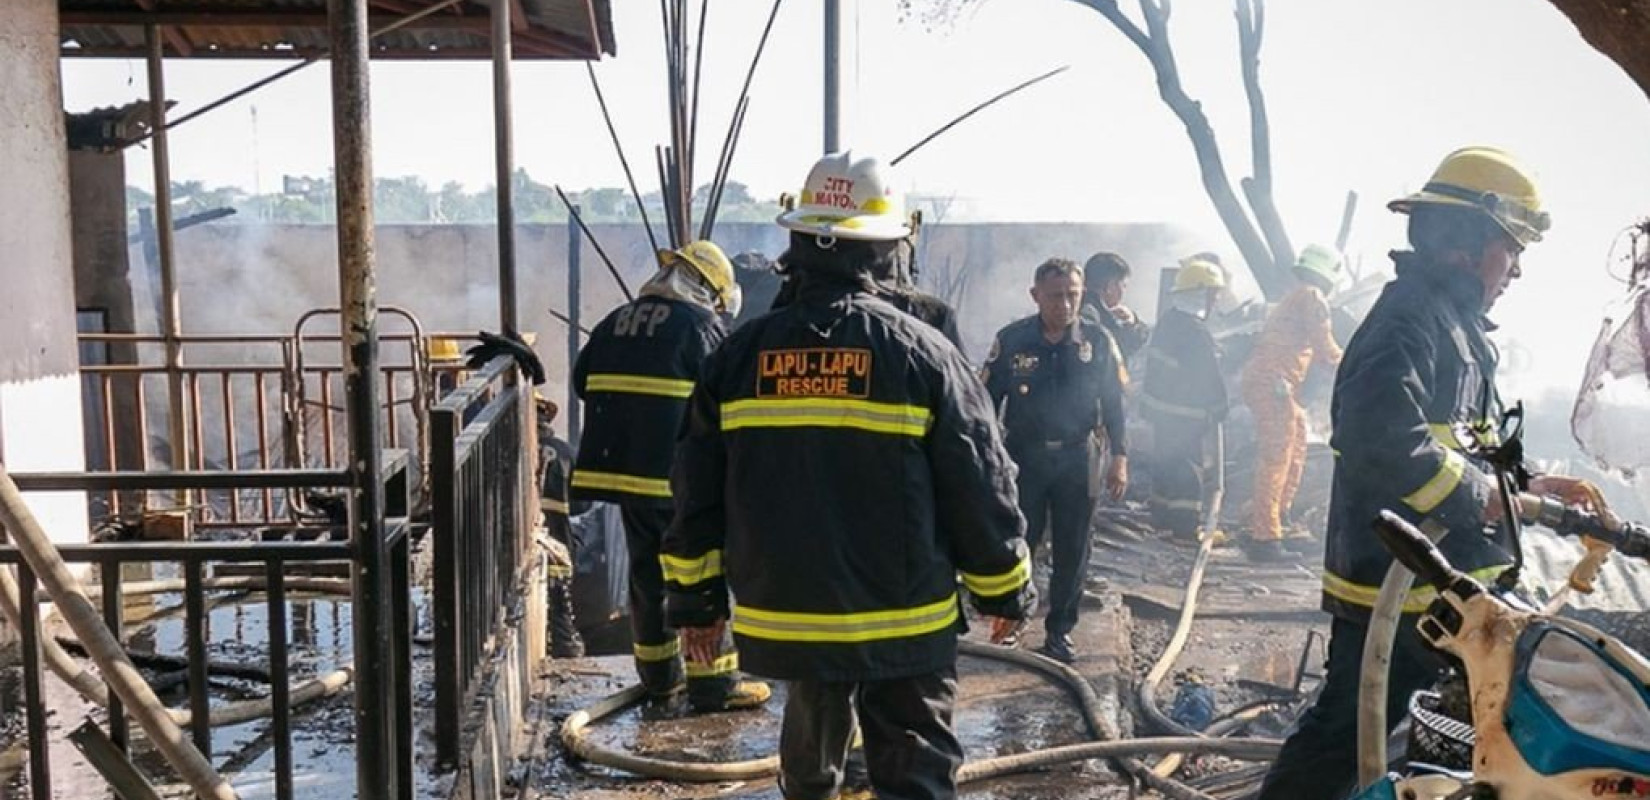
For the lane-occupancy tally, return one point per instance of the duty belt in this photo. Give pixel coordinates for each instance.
(1051, 445)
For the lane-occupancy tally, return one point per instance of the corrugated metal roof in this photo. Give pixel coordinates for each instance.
(290, 29)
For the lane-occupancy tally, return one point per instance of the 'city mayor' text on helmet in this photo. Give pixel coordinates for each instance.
(849, 198)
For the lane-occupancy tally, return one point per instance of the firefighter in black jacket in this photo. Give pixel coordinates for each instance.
(1058, 380)
(555, 459)
(839, 469)
(1184, 396)
(1416, 377)
(634, 375)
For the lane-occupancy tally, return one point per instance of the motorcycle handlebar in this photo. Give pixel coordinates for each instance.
(1414, 550)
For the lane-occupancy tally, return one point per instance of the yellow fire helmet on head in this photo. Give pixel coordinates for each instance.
(1491, 181)
(849, 198)
(1202, 271)
(713, 267)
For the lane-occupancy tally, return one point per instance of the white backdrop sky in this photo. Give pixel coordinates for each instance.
(1364, 96)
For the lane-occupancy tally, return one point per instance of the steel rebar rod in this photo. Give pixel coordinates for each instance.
(611, 270)
(977, 109)
(630, 177)
(307, 62)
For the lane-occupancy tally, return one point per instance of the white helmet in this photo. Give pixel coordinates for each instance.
(849, 198)
(1321, 263)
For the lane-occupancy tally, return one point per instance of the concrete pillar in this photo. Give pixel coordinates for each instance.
(102, 283)
(40, 425)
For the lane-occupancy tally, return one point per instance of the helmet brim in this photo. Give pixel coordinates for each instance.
(1523, 233)
(858, 228)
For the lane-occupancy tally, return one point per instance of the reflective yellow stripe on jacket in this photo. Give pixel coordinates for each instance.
(691, 571)
(639, 384)
(852, 628)
(1000, 584)
(1360, 595)
(826, 412)
(549, 506)
(616, 482)
(1437, 488)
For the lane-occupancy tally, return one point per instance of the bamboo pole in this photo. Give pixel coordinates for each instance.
(123, 678)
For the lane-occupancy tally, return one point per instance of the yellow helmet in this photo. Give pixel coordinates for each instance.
(713, 267)
(1491, 181)
(444, 348)
(1321, 261)
(1202, 271)
(849, 198)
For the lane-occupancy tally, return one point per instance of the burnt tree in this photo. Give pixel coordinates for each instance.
(1620, 29)
(1255, 225)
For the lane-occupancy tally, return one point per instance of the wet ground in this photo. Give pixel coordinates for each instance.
(319, 635)
(1001, 710)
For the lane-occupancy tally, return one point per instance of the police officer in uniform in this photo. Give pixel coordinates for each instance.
(634, 375)
(839, 470)
(1058, 381)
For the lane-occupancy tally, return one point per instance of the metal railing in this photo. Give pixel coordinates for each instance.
(483, 509)
(194, 560)
(278, 406)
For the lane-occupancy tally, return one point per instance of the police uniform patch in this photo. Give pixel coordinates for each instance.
(1024, 364)
(1085, 352)
(814, 372)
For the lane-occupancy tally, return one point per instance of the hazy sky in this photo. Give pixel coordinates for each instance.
(1365, 96)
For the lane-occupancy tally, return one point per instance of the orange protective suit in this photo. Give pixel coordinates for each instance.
(1297, 333)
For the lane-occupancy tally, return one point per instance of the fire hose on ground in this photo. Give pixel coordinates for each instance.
(575, 737)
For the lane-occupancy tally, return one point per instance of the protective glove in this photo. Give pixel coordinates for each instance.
(509, 344)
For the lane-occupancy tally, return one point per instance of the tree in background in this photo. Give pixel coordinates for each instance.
(1255, 227)
(1257, 230)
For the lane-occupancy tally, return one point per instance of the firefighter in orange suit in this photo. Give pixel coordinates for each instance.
(1297, 335)
(635, 375)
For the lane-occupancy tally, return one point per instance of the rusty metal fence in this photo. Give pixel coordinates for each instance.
(248, 402)
(197, 562)
(483, 508)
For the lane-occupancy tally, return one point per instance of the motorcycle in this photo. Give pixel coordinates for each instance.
(1558, 709)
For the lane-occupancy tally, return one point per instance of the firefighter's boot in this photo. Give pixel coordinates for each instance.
(741, 696)
(565, 641)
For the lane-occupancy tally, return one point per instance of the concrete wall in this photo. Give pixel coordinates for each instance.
(258, 279)
(39, 380)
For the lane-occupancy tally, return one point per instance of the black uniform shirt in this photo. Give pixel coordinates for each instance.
(1056, 391)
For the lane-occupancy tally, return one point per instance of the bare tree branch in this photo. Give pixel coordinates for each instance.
(1115, 15)
(1154, 43)
(1251, 17)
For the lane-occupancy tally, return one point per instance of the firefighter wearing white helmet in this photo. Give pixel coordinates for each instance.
(849, 198)
(840, 467)
(1418, 376)
(1297, 335)
(635, 374)
(852, 199)
(1184, 395)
